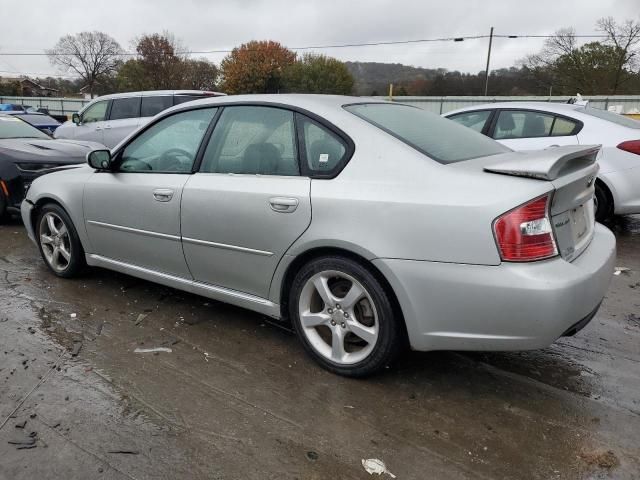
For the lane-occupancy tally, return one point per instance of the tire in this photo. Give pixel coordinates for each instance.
(4, 215)
(63, 238)
(604, 205)
(356, 338)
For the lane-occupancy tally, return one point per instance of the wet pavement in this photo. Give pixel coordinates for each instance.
(237, 398)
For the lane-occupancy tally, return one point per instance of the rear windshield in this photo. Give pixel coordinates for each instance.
(39, 119)
(611, 117)
(11, 127)
(439, 138)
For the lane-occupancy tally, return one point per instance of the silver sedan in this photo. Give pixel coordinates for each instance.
(368, 225)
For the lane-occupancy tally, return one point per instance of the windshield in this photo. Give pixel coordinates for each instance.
(611, 117)
(12, 127)
(439, 138)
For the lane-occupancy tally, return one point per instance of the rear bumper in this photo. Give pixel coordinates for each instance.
(512, 306)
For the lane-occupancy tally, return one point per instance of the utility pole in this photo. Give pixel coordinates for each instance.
(486, 75)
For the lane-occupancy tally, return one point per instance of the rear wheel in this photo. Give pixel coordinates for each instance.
(603, 203)
(58, 241)
(344, 317)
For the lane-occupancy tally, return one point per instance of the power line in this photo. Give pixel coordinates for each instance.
(329, 46)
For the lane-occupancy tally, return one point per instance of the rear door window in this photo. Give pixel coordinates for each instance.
(151, 106)
(522, 124)
(474, 120)
(125, 108)
(253, 140)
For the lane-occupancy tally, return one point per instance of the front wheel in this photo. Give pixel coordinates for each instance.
(58, 241)
(344, 317)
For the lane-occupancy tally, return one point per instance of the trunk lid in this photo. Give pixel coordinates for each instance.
(572, 171)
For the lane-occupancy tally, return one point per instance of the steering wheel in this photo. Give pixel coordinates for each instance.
(170, 160)
(135, 165)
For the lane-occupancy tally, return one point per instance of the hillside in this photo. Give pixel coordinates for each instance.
(375, 77)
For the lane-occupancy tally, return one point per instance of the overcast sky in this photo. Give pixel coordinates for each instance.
(209, 25)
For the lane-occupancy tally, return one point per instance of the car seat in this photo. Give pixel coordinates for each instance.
(534, 126)
(261, 158)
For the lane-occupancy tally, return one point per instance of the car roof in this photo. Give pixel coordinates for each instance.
(545, 106)
(301, 100)
(148, 93)
(327, 106)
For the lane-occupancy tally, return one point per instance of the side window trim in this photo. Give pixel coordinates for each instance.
(203, 142)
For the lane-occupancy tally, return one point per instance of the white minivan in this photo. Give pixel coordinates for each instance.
(111, 118)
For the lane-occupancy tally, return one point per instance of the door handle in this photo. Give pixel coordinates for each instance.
(98, 127)
(283, 204)
(107, 127)
(163, 194)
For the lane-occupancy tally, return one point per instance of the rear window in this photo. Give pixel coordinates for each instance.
(128, 107)
(151, 106)
(438, 138)
(178, 99)
(611, 117)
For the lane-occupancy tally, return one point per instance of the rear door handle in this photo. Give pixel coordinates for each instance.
(163, 194)
(283, 204)
(98, 127)
(107, 127)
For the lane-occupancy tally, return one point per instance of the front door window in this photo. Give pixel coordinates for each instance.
(169, 146)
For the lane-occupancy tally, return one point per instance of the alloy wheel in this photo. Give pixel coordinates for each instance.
(338, 317)
(55, 241)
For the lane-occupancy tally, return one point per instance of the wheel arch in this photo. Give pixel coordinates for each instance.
(302, 258)
(609, 191)
(50, 198)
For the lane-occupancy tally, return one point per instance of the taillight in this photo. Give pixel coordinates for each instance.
(631, 146)
(524, 234)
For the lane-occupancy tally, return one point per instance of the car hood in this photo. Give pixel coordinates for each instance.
(43, 150)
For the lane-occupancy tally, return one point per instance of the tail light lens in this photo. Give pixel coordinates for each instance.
(524, 234)
(631, 146)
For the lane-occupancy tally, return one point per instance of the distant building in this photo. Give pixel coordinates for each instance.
(30, 88)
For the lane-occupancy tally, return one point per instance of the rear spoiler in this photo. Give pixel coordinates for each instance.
(548, 164)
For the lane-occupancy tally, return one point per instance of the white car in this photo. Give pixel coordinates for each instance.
(111, 118)
(538, 125)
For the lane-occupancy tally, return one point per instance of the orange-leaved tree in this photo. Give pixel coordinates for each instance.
(256, 67)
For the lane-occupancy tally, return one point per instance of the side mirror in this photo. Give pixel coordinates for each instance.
(99, 159)
(75, 118)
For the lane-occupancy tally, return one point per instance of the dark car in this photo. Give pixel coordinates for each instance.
(45, 110)
(11, 107)
(41, 121)
(27, 153)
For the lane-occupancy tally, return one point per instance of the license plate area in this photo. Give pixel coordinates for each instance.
(574, 230)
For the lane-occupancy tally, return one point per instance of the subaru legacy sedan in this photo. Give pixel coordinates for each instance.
(368, 225)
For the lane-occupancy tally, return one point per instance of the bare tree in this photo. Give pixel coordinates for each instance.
(625, 37)
(602, 67)
(92, 55)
